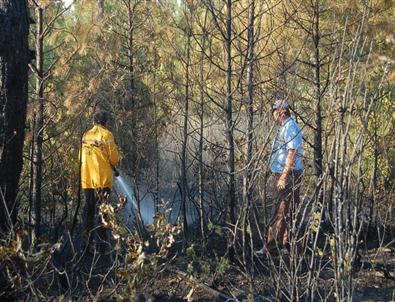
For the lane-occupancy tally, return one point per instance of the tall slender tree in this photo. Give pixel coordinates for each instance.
(14, 58)
(45, 17)
(184, 181)
(202, 214)
(229, 113)
(316, 37)
(247, 178)
(37, 160)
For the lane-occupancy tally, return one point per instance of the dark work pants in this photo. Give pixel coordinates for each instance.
(94, 232)
(288, 199)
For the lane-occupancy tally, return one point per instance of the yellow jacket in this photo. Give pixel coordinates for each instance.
(99, 155)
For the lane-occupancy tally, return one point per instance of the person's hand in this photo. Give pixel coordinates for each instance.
(282, 181)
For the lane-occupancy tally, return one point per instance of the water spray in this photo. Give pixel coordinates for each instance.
(128, 192)
(147, 206)
(125, 188)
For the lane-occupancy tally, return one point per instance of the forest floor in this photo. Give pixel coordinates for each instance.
(373, 279)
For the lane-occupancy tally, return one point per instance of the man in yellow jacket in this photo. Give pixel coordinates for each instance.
(99, 157)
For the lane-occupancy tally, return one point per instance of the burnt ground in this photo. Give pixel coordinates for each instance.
(374, 281)
(373, 275)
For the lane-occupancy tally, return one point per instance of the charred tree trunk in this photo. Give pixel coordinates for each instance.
(184, 184)
(201, 138)
(229, 114)
(247, 181)
(14, 58)
(157, 157)
(247, 189)
(130, 55)
(318, 93)
(132, 103)
(39, 125)
(30, 213)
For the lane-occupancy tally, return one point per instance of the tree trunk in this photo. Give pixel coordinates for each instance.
(14, 58)
(229, 114)
(249, 108)
(201, 138)
(184, 184)
(130, 55)
(30, 213)
(318, 96)
(39, 124)
(157, 157)
(247, 180)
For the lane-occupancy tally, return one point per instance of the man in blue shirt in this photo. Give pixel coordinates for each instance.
(287, 167)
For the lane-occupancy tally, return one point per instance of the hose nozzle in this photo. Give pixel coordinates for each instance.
(116, 172)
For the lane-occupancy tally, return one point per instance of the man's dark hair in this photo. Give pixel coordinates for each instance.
(100, 117)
